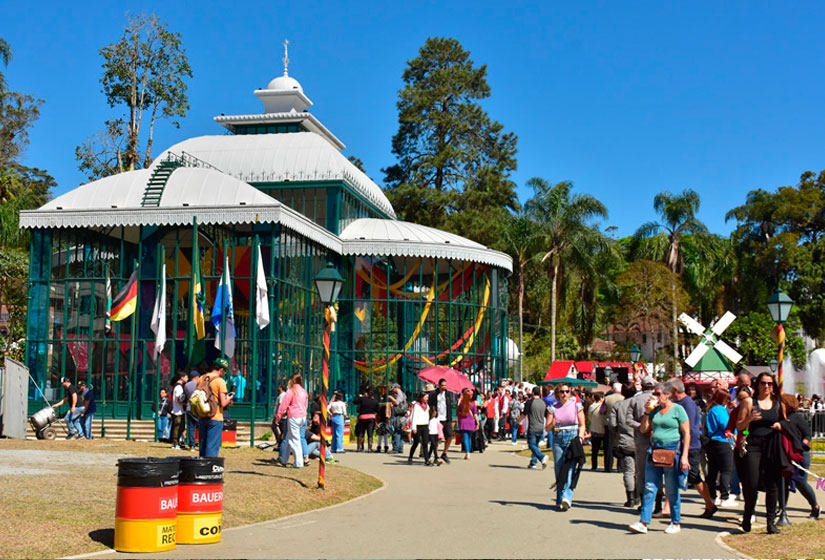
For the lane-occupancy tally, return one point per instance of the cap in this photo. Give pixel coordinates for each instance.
(65, 380)
(648, 381)
(221, 363)
(429, 388)
(194, 373)
(395, 386)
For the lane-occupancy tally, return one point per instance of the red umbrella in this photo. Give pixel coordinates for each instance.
(456, 381)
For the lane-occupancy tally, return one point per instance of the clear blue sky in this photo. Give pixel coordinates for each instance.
(625, 99)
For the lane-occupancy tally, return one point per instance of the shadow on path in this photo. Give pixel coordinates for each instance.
(507, 467)
(602, 524)
(536, 505)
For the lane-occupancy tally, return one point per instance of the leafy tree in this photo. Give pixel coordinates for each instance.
(565, 223)
(143, 72)
(18, 112)
(663, 241)
(710, 265)
(357, 163)
(753, 334)
(452, 158)
(5, 57)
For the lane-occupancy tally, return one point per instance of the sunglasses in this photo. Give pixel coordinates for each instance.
(767, 383)
(564, 390)
(657, 393)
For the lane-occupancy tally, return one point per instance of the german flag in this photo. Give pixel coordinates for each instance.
(125, 302)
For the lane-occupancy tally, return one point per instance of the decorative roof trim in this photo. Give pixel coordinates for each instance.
(134, 217)
(227, 121)
(431, 250)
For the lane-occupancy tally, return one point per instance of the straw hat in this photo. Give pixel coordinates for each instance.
(429, 388)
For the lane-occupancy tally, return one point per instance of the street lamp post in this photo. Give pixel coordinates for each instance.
(635, 355)
(779, 306)
(328, 283)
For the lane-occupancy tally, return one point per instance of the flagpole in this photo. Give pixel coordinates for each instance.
(156, 380)
(253, 325)
(225, 282)
(132, 355)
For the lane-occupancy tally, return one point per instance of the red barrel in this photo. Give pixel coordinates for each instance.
(147, 504)
(200, 500)
(229, 436)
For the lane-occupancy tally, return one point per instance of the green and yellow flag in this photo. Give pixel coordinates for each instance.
(196, 330)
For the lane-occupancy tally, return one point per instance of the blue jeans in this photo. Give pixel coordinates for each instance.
(73, 421)
(467, 440)
(337, 422)
(561, 441)
(514, 429)
(398, 440)
(191, 427)
(314, 450)
(550, 439)
(210, 437)
(294, 441)
(86, 421)
(163, 424)
(653, 481)
(533, 439)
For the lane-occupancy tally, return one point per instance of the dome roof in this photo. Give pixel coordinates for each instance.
(284, 83)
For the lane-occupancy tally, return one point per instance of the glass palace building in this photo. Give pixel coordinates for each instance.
(413, 296)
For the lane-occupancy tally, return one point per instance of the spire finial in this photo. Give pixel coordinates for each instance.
(286, 57)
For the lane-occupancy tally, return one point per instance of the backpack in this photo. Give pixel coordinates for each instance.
(203, 403)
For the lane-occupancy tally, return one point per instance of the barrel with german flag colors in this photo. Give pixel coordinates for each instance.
(200, 500)
(147, 504)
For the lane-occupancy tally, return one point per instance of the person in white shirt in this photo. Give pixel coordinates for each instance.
(337, 411)
(419, 424)
(178, 409)
(433, 429)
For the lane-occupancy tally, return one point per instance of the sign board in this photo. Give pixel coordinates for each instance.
(13, 404)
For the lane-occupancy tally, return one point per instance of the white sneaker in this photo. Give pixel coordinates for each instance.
(638, 527)
(544, 462)
(565, 504)
(672, 529)
(512, 443)
(717, 502)
(534, 466)
(729, 503)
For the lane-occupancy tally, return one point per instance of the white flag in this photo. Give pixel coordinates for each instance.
(223, 314)
(159, 314)
(261, 299)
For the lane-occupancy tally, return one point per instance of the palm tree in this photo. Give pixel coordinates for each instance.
(663, 241)
(521, 235)
(565, 223)
(5, 57)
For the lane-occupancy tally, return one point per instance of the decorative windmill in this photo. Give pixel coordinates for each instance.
(710, 338)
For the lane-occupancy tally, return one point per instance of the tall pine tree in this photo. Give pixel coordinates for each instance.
(454, 162)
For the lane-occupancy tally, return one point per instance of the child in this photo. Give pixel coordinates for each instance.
(436, 431)
(383, 429)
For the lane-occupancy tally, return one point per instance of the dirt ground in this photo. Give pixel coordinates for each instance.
(58, 497)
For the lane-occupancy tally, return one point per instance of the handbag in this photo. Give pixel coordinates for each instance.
(663, 457)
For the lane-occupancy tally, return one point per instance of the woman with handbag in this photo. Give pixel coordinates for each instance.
(667, 424)
(567, 422)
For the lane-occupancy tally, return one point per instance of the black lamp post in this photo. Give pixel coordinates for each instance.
(779, 306)
(773, 364)
(328, 282)
(635, 355)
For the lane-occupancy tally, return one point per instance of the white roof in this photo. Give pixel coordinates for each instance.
(209, 195)
(371, 236)
(298, 156)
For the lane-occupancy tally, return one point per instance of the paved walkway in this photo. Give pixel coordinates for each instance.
(488, 507)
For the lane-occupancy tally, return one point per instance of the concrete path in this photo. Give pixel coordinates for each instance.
(488, 507)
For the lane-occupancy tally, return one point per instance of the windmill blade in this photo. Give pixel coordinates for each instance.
(727, 351)
(691, 324)
(719, 326)
(697, 354)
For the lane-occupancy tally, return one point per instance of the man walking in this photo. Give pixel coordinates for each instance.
(399, 408)
(210, 429)
(191, 420)
(536, 412)
(680, 397)
(89, 409)
(442, 400)
(598, 429)
(610, 445)
(633, 418)
(625, 445)
(71, 398)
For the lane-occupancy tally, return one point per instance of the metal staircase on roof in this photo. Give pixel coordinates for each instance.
(160, 176)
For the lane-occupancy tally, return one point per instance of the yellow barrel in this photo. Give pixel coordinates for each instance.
(200, 500)
(145, 535)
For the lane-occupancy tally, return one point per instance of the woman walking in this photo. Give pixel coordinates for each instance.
(719, 449)
(664, 421)
(759, 470)
(467, 421)
(567, 422)
(367, 410)
(294, 408)
(797, 419)
(337, 411)
(419, 425)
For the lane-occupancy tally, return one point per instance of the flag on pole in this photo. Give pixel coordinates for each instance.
(125, 302)
(223, 316)
(195, 330)
(261, 299)
(158, 325)
(107, 325)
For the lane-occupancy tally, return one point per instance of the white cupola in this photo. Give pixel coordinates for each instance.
(284, 94)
